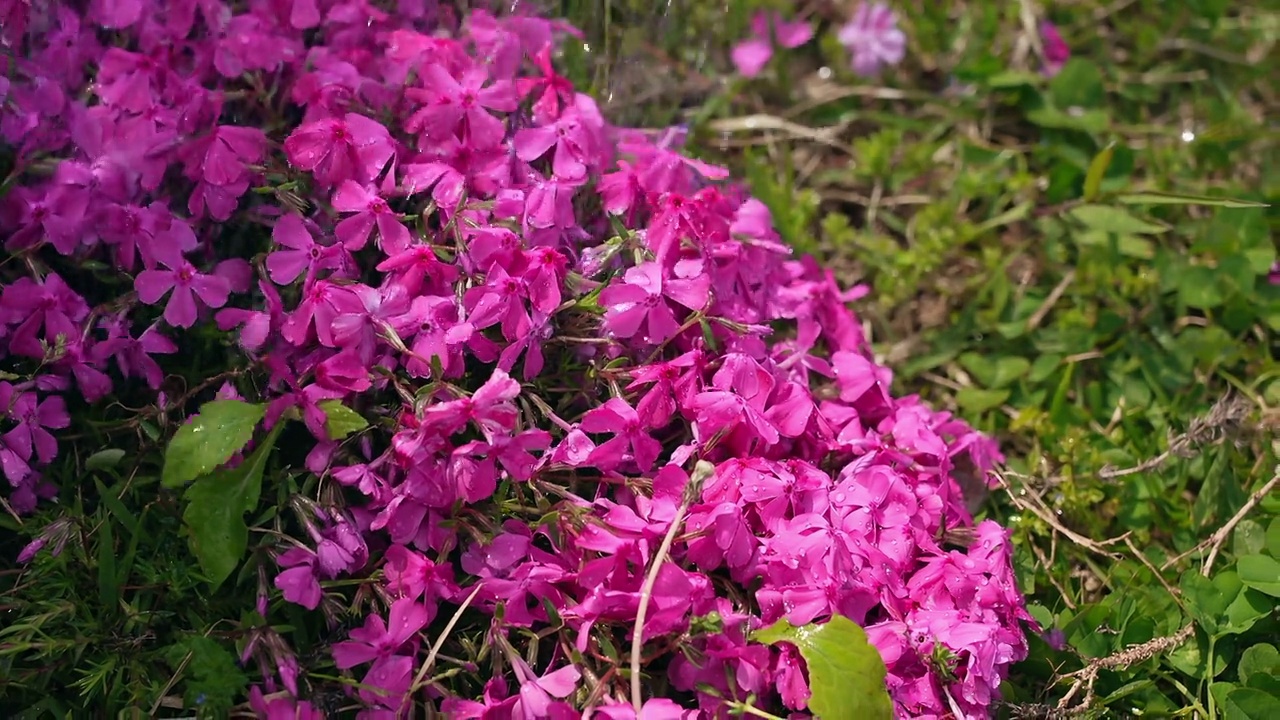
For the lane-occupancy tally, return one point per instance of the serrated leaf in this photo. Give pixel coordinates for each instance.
(1260, 572)
(1163, 198)
(846, 673)
(210, 439)
(340, 420)
(216, 505)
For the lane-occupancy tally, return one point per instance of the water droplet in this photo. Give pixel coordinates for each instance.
(1188, 135)
(824, 73)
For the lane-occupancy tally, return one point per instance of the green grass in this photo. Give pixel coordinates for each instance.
(1120, 344)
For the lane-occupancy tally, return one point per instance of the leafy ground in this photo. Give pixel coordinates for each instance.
(1032, 271)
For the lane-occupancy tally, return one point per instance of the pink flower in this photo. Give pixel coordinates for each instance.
(450, 104)
(299, 583)
(371, 212)
(31, 437)
(187, 284)
(873, 38)
(751, 55)
(630, 437)
(352, 147)
(536, 692)
(389, 678)
(1056, 50)
(641, 300)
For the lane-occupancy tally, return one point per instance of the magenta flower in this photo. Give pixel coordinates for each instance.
(51, 306)
(537, 692)
(553, 90)
(223, 156)
(299, 583)
(450, 104)
(371, 212)
(35, 419)
(380, 642)
(133, 355)
(641, 300)
(631, 438)
(352, 147)
(1056, 50)
(751, 55)
(187, 284)
(873, 38)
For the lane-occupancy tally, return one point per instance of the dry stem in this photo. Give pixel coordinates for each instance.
(692, 492)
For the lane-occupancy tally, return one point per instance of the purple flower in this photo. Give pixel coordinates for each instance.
(1056, 50)
(873, 38)
(187, 284)
(751, 55)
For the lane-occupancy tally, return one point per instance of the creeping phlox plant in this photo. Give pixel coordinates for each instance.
(563, 381)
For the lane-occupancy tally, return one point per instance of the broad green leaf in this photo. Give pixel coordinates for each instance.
(1097, 170)
(1261, 658)
(1251, 704)
(1198, 287)
(977, 400)
(1260, 572)
(104, 459)
(211, 438)
(340, 420)
(1248, 608)
(1163, 198)
(1273, 537)
(216, 504)
(1077, 84)
(846, 673)
(1109, 219)
(1207, 600)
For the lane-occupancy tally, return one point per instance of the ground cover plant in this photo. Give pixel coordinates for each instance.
(1008, 191)
(359, 362)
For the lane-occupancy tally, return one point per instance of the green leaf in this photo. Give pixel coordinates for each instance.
(216, 505)
(1261, 658)
(1248, 608)
(108, 591)
(104, 459)
(1198, 287)
(1207, 600)
(340, 420)
(977, 400)
(1251, 704)
(1273, 537)
(1249, 538)
(1077, 84)
(1163, 198)
(1085, 121)
(219, 431)
(1109, 219)
(1013, 78)
(116, 508)
(1098, 170)
(846, 673)
(1260, 572)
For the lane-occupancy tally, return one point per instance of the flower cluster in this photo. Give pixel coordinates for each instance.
(871, 36)
(553, 319)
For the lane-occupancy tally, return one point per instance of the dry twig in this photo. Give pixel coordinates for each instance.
(692, 492)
